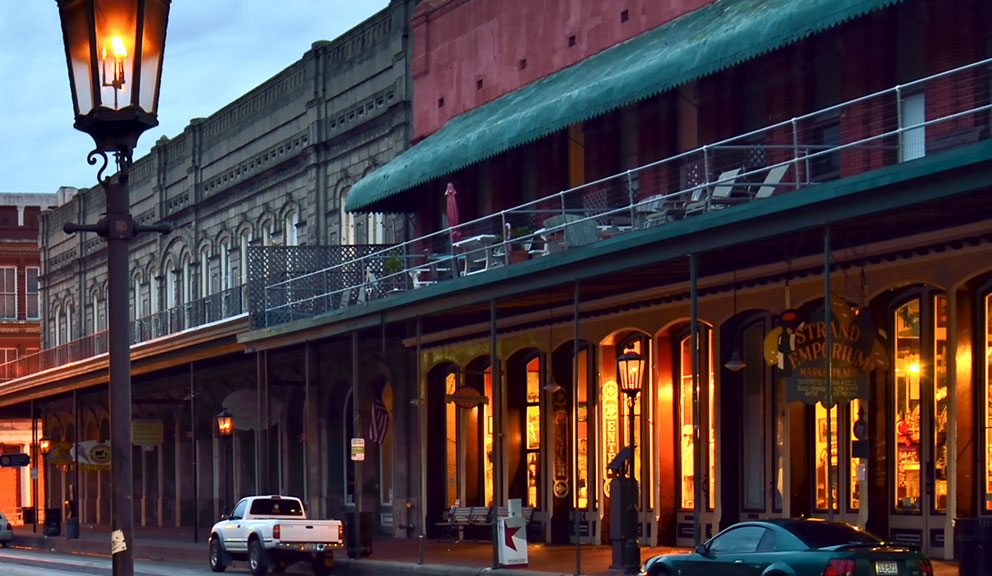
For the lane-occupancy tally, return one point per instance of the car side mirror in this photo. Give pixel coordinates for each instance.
(701, 550)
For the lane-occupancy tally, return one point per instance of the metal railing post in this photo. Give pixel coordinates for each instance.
(795, 151)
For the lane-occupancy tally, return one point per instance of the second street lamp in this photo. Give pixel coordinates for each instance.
(225, 427)
(114, 51)
(630, 367)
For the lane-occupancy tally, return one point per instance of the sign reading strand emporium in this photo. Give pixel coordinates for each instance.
(797, 349)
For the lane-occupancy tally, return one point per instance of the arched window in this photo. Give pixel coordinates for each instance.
(245, 243)
(267, 233)
(95, 310)
(290, 233)
(226, 272)
(347, 221)
(187, 280)
(155, 284)
(204, 271)
(170, 284)
(377, 229)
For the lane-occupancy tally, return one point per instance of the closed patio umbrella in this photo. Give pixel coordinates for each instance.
(452, 210)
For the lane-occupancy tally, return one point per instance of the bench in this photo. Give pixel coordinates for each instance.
(459, 518)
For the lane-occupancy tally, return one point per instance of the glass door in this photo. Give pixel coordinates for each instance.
(917, 440)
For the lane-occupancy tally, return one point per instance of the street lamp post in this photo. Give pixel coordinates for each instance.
(630, 367)
(225, 427)
(114, 51)
(44, 446)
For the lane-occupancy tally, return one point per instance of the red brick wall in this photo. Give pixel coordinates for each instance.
(470, 52)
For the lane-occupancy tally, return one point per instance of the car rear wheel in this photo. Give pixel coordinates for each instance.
(255, 562)
(216, 564)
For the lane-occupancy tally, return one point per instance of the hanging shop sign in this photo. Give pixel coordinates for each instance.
(797, 348)
(466, 397)
(92, 455)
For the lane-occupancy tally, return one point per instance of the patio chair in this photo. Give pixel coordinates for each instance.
(569, 231)
(772, 181)
(721, 191)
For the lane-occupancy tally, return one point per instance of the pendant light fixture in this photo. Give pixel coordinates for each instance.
(735, 364)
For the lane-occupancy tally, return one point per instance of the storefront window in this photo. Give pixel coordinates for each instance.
(821, 456)
(988, 402)
(533, 441)
(687, 469)
(487, 409)
(940, 402)
(451, 450)
(855, 491)
(753, 405)
(581, 499)
(906, 397)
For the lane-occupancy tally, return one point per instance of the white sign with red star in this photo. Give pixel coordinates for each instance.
(512, 542)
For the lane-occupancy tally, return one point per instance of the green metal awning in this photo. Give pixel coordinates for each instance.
(707, 40)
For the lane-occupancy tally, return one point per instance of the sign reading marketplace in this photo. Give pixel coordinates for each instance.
(798, 349)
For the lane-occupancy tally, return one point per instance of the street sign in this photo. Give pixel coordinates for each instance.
(14, 460)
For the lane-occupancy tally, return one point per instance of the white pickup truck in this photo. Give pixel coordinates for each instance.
(273, 532)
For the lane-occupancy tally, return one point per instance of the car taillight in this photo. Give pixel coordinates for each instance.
(840, 567)
(926, 569)
(340, 532)
(276, 532)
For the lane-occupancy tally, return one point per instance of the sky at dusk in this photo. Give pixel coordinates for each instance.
(216, 51)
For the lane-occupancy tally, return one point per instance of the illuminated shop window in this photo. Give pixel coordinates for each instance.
(855, 490)
(906, 398)
(487, 410)
(686, 443)
(988, 402)
(451, 448)
(532, 448)
(940, 403)
(581, 498)
(821, 456)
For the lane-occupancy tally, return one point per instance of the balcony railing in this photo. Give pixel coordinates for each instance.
(215, 307)
(927, 116)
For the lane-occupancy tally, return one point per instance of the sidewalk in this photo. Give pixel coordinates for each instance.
(439, 558)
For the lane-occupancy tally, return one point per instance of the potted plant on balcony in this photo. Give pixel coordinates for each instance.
(519, 249)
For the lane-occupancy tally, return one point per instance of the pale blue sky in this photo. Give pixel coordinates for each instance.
(216, 50)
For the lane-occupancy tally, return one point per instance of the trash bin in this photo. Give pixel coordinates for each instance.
(353, 522)
(72, 527)
(27, 515)
(53, 521)
(973, 546)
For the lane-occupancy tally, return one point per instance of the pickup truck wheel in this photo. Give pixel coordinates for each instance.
(216, 564)
(255, 562)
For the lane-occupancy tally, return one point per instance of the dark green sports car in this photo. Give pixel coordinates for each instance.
(792, 547)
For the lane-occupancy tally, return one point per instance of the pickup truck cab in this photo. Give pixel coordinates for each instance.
(274, 532)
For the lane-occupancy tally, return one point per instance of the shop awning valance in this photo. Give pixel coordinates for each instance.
(707, 40)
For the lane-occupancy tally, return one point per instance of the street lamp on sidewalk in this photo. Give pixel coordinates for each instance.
(114, 51)
(225, 427)
(630, 367)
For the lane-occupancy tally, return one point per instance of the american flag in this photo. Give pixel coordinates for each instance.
(380, 422)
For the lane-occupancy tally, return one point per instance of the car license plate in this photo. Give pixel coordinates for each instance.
(886, 567)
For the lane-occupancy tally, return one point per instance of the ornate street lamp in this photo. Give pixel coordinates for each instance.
(225, 427)
(114, 51)
(630, 367)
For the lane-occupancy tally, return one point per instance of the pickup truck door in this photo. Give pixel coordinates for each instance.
(233, 531)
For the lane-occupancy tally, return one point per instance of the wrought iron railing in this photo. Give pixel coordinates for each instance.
(215, 307)
(927, 116)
